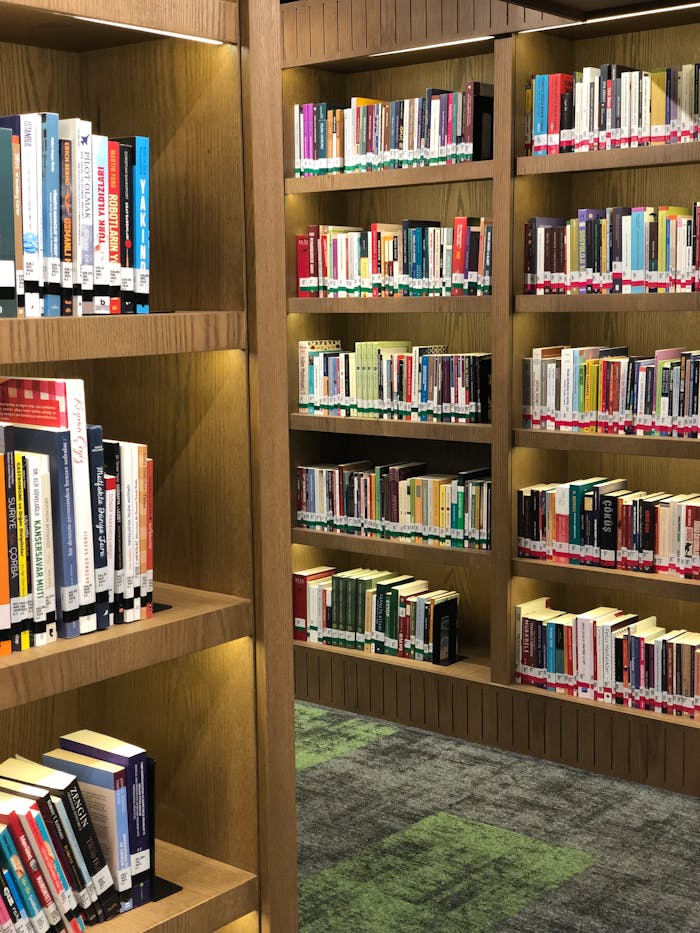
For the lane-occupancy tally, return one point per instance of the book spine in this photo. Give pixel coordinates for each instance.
(99, 524)
(51, 215)
(101, 229)
(18, 223)
(126, 224)
(142, 225)
(30, 146)
(149, 538)
(114, 221)
(66, 168)
(86, 215)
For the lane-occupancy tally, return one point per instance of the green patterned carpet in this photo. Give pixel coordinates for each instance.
(402, 831)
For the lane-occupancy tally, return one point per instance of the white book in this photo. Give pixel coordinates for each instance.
(627, 255)
(626, 81)
(635, 110)
(85, 214)
(110, 526)
(567, 389)
(100, 200)
(128, 505)
(646, 109)
(32, 212)
(70, 130)
(585, 656)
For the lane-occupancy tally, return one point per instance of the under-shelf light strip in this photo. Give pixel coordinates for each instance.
(436, 45)
(155, 32)
(616, 16)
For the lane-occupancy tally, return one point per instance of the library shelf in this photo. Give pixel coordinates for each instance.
(642, 714)
(379, 427)
(388, 547)
(36, 340)
(194, 621)
(608, 159)
(680, 448)
(653, 584)
(82, 25)
(473, 664)
(398, 305)
(391, 178)
(610, 304)
(213, 894)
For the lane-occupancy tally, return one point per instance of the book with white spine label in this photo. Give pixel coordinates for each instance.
(100, 206)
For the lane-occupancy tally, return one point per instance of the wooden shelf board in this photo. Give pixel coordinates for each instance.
(400, 305)
(391, 178)
(213, 894)
(622, 304)
(614, 708)
(53, 23)
(655, 584)
(34, 340)
(427, 430)
(197, 620)
(670, 447)
(643, 157)
(475, 666)
(387, 547)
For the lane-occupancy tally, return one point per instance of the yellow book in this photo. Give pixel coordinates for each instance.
(658, 107)
(591, 395)
(22, 556)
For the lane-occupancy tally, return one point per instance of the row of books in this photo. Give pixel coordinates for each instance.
(401, 501)
(440, 128)
(601, 522)
(605, 390)
(619, 250)
(611, 107)
(609, 655)
(76, 519)
(76, 834)
(376, 611)
(416, 258)
(391, 379)
(75, 226)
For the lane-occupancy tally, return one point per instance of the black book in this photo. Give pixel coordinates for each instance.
(126, 217)
(112, 462)
(444, 612)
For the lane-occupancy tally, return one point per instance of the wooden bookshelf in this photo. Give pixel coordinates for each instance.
(179, 381)
(386, 547)
(212, 894)
(428, 430)
(391, 178)
(608, 304)
(658, 750)
(43, 339)
(400, 305)
(669, 447)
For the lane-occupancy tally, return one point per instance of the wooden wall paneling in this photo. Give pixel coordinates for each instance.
(521, 722)
(318, 36)
(460, 709)
(602, 750)
(403, 696)
(475, 713)
(364, 695)
(304, 32)
(489, 712)
(301, 691)
(506, 724)
(194, 128)
(465, 17)
(391, 83)
(338, 666)
(373, 25)
(313, 676)
(35, 79)
(288, 26)
(536, 717)
(569, 734)
(345, 28)
(325, 663)
(691, 757)
(448, 15)
(639, 749)
(656, 754)
(419, 21)
(403, 24)
(390, 694)
(434, 26)
(620, 746)
(585, 731)
(445, 706)
(418, 698)
(330, 27)
(675, 760)
(430, 688)
(376, 689)
(501, 532)
(264, 204)
(552, 731)
(387, 22)
(351, 693)
(359, 26)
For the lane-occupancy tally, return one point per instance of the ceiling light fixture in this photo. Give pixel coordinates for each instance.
(437, 45)
(155, 32)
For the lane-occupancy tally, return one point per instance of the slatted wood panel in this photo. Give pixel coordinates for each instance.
(655, 750)
(315, 31)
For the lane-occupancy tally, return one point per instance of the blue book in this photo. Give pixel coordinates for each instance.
(103, 786)
(96, 460)
(133, 759)
(57, 445)
(14, 905)
(637, 235)
(424, 369)
(51, 214)
(540, 114)
(27, 896)
(551, 650)
(141, 214)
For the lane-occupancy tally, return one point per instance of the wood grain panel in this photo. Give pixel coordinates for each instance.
(430, 688)
(403, 696)
(445, 706)
(387, 22)
(585, 730)
(316, 25)
(300, 683)
(313, 677)
(489, 714)
(364, 694)
(193, 128)
(552, 731)
(351, 691)
(324, 670)
(505, 719)
(337, 681)
(602, 750)
(376, 686)
(620, 746)
(390, 694)
(419, 21)
(675, 760)
(521, 723)
(460, 710)
(639, 749)
(569, 734)
(691, 758)
(418, 699)
(475, 713)
(656, 757)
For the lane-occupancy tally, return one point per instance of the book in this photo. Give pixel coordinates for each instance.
(139, 151)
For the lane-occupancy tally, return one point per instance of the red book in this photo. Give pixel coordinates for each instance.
(115, 237)
(30, 865)
(559, 84)
(459, 255)
(303, 267)
(299, 605)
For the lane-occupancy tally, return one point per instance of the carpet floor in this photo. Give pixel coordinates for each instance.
(403, 831)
